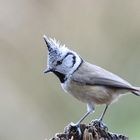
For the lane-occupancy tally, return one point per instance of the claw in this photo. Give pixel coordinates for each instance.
(100, 124)
(103, 125)
(73, 130)
(76, 127)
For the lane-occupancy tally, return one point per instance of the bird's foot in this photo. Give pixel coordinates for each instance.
(98, 123)
(73, 129)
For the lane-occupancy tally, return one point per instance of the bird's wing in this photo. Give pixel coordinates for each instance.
(89, 74)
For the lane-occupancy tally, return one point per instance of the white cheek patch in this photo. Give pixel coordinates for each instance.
(68, 65)
(68, 61)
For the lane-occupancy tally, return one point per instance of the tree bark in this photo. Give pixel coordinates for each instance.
(94, 131)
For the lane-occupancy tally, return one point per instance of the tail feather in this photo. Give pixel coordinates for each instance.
(136, 91)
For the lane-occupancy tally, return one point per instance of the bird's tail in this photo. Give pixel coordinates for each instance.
(136, 91)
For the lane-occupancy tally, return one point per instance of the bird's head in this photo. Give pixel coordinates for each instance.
(61, 60)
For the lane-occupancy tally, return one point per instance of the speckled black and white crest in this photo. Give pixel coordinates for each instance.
(60, 58)
(56, 51)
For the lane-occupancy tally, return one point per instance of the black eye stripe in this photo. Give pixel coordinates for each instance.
(74, 60)
(61, 61)
(67, 55)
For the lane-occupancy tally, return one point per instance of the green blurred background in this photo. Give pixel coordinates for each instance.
(107, 33)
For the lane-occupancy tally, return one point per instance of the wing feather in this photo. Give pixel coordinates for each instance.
(89, 74)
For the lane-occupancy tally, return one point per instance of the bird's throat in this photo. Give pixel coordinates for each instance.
(61, 76)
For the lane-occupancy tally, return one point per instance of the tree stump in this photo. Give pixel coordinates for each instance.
(94, 131)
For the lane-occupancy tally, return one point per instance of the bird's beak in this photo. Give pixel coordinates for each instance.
(47, 70)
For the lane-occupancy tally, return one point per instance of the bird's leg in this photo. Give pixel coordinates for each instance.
(90, 109)
(102, 116)
(99, 121)
(76, 126)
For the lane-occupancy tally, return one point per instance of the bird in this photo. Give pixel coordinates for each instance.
(86, 82)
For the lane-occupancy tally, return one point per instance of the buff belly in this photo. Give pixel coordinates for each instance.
(91, 94)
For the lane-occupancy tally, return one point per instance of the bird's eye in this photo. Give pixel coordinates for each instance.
(58, 62)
